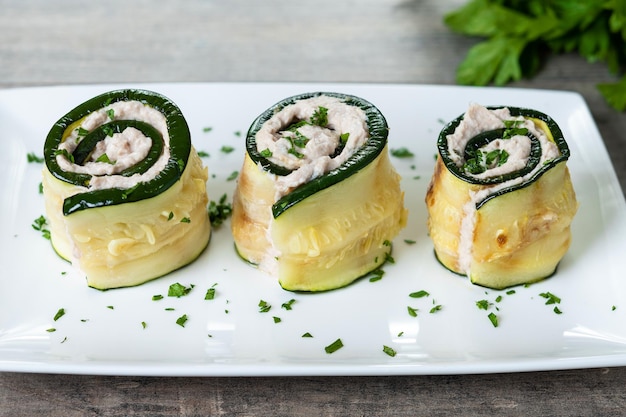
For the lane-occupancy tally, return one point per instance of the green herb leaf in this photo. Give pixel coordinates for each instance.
(105, 158)
(264, 307)
(182, 320)
(307, 334)
(412, 311)
(320, 117)
(178, 290)
(493, 319)
(227, 149)
(334, 347)
(31, 157)
(276, 319)
(59, 314)
(419, 294)
(157, 297)
(483, 304)
(550, 298)
(220, 211)
(389, 351)
(288, 304)
(233, 175)
(402, 153)
(210, 294)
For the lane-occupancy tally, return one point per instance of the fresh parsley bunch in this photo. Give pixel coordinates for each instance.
(521, 33)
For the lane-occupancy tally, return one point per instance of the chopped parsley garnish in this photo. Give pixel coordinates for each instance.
(111, 114)
(111, 307)
(264, 307)
(334, 347)
(51, 330)
(170, 216)
(105, 158)
(307, 334)
(59, 314)
(483, 304)
(185, 220)
(510, 292)
(412, 311)
(493, 319)
(40, 188)
(227, 149)
(613, 308)
(266, 153)
(550, 298)
(207, 129)
(108, 130)
(376, 275)
(389, 351)
(320, 117)
(481, 161)
(178, 290)
(435, 309)
(65, 154)
(210, 294)
(402, 153)
(144, 324)
(81, 131)
(31, 157)
(498, 299)
(512, 128)
(41, 224)
(419, 294)
(220, 211)
(237, 133)
(288, 304)
(343, 138)
(410, 241)
(400, 334)
(557, 310)
(203, 154)
(276, 319)
(233, 175)
(157, 297)
(182, 320)
(389, 258)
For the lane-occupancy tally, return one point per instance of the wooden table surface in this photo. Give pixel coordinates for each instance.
(392, 41)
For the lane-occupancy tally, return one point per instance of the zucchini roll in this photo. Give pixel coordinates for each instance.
(125, 192)
(501, 200)
(317, 201)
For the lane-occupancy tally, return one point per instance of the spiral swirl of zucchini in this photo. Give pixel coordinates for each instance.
(317, 201)
(125, 191)
(501, 200)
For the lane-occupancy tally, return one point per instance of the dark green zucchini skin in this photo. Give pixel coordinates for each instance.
(378, 131)
(180, 148)
(459, 172)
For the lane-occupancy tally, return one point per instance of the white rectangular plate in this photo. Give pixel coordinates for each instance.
(102, 332)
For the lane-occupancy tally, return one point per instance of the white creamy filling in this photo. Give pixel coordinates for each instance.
(125, 149)
(479, 119)
(313, 159)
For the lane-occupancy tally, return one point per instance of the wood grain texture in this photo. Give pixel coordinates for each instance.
(390, 41)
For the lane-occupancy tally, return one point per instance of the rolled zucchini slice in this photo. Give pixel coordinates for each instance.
(124, 189)
(318, 201)
(501, 201)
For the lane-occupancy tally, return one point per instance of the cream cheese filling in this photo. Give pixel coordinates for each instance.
(125, 149)
(479, 119)
(313, 156)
